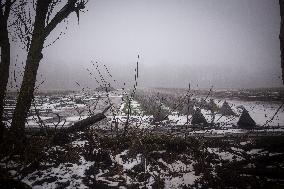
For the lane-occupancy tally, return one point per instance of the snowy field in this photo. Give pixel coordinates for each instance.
(170, 153)
(63, 110)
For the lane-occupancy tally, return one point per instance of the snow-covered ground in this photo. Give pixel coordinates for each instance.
(74, 107)
(83, 166)
(261, 112)
(55, 177)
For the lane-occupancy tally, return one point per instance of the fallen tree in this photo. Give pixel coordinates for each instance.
(85, 123)
(63, 136)
(77, 126)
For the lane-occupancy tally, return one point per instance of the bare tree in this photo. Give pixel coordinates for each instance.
(42, 27)
(5, 9)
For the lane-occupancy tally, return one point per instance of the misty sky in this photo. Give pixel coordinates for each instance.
(224, 43)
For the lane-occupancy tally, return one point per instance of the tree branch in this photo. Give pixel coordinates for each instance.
(71, 6)
(8, 5)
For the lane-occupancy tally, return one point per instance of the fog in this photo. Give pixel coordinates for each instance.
(224, 43)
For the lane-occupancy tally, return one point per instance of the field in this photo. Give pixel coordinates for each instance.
(154, 138)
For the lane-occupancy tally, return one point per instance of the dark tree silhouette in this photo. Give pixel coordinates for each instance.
(41, 30)
(5, 9)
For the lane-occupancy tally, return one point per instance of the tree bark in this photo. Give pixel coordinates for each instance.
(28, 84)
(281, 36)
(5, 60)
(4, 75)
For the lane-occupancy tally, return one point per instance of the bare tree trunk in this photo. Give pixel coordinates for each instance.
(5, 59)
(281, 36)
(34, 57)
(4, 73)
(41, 31)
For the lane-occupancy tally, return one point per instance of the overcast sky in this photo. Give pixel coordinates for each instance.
(224, 43)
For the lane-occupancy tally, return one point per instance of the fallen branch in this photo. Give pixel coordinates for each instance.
(78, 126)
(85, 123)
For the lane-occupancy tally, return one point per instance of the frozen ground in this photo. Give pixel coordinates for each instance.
(77, 106)
(63, 110)
(152, 156)
(164, 162)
